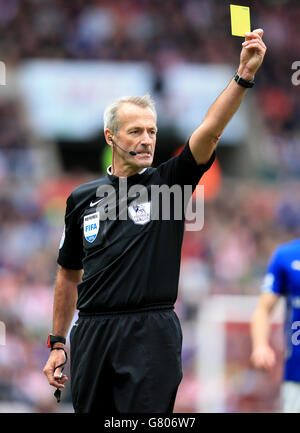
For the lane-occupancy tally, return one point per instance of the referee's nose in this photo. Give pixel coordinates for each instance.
(147, 139)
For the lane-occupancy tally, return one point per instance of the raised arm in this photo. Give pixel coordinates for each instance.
(63, 311)
(205, 138)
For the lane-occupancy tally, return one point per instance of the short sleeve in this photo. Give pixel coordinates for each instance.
(274, 281)
(71, 249)
(183, 168)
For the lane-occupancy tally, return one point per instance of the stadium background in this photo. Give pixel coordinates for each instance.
(252, 195)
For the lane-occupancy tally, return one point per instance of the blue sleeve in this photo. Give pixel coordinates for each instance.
(274, 281)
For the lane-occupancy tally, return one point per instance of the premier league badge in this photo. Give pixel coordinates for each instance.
(91, 226)
(140, 213)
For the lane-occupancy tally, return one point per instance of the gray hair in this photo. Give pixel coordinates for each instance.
(110, 117)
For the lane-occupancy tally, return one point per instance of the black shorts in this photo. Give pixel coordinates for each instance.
(126, 362)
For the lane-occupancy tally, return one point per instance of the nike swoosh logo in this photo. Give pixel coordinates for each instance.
(96, 202)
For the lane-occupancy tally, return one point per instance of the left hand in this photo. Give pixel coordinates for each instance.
(252, 54)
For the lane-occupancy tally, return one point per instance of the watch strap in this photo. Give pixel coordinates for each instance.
(242, 82)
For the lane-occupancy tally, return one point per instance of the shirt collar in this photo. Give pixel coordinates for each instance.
(140, 172)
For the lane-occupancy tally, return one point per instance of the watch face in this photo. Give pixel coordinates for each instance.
(54, 339)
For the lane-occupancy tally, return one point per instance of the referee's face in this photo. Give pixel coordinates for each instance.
(137, 132)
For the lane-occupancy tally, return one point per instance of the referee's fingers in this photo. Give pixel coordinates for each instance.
(58, 382)
(54, 376)
(258, 42)
(258, 33)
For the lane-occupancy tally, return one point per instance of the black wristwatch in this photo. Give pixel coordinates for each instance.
(54, 339)
(242, 82)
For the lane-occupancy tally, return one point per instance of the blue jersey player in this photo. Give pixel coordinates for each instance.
(282, 279)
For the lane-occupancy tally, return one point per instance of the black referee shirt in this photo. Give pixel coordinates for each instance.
(133, 262)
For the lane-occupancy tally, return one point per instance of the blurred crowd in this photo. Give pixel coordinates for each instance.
(243, 224)
(163, 33)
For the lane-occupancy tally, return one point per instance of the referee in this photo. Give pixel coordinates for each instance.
(122, 273)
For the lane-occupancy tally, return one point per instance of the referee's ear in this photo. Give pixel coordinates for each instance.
(108, 137)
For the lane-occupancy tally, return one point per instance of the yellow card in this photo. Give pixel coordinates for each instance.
(240, 20)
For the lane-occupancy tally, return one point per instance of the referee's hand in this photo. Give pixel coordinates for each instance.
(55, 378)
(252, 54)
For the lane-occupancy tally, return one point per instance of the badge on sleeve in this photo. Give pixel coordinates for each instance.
(91, 226)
